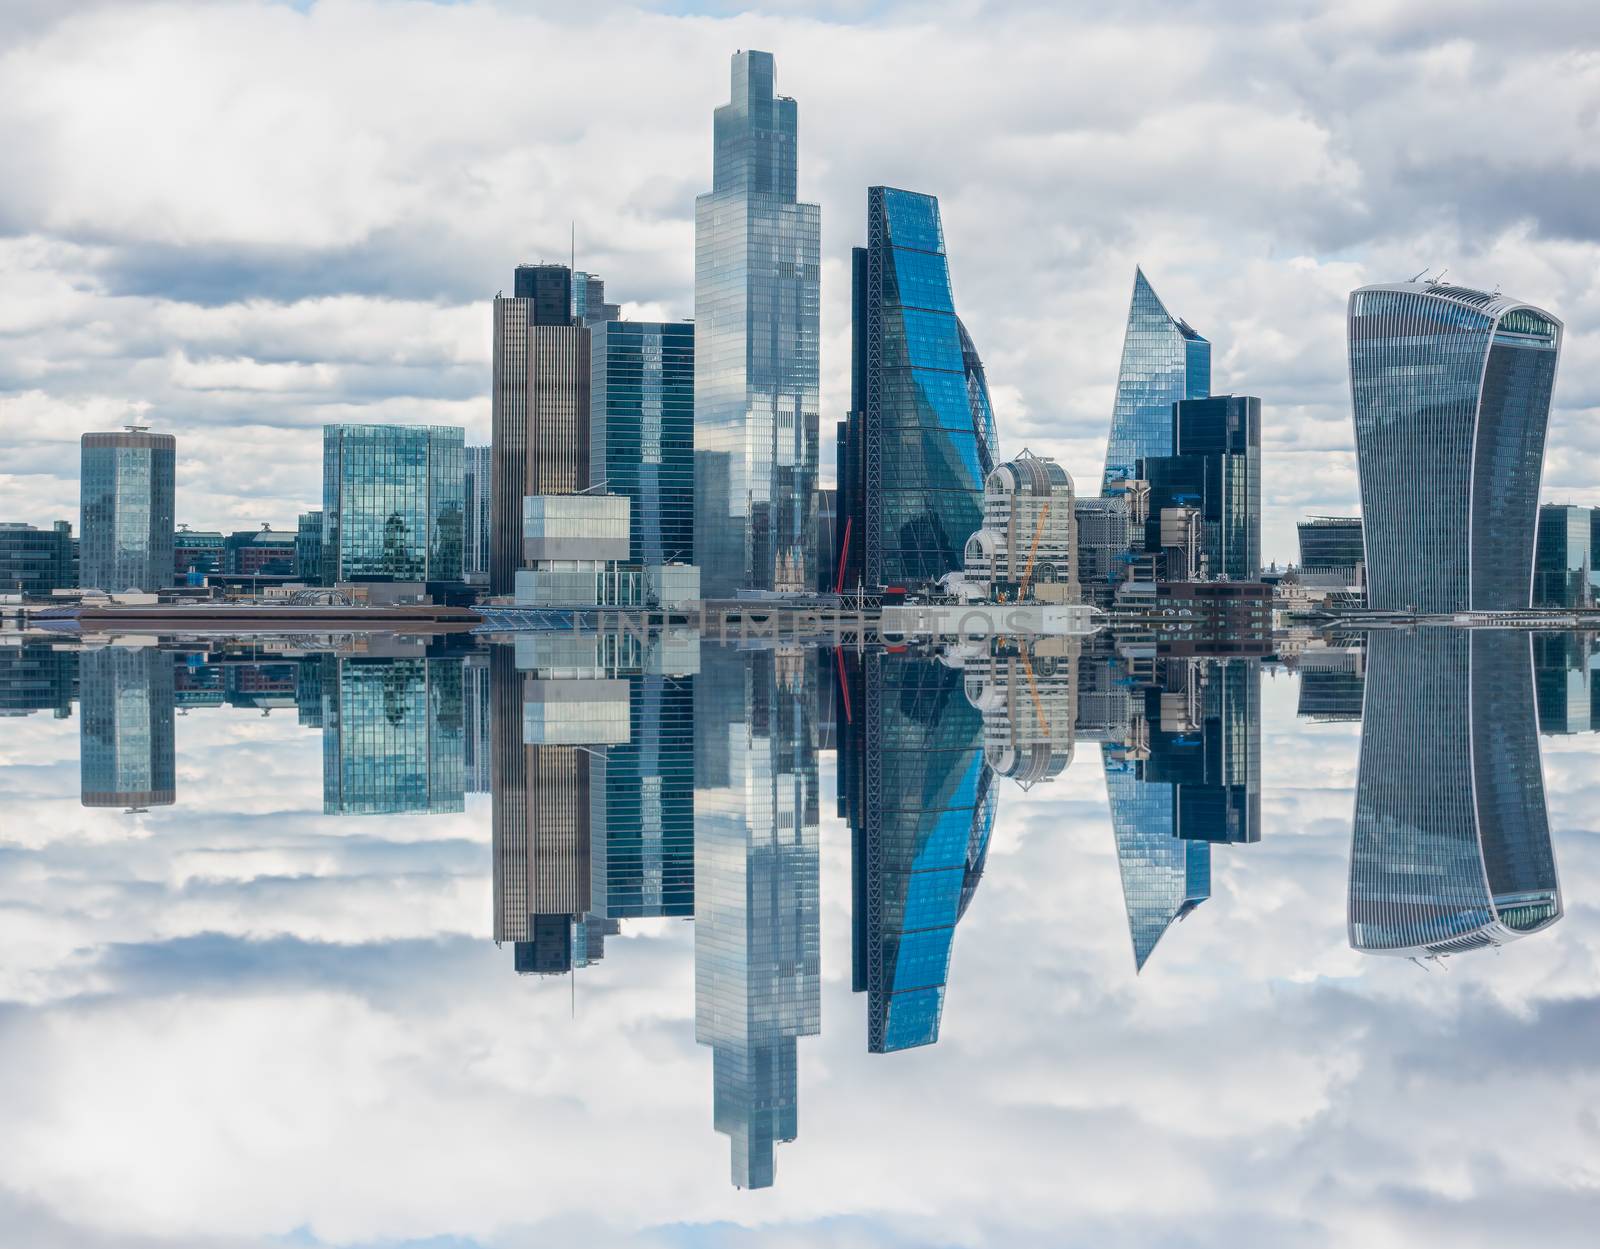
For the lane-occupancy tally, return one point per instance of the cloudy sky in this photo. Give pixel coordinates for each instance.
(236, 1023)
(240, 219)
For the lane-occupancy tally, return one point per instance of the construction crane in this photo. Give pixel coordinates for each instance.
(1033, 551)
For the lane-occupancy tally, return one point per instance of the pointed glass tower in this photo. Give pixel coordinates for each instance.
(1163, 876)
(1163, 361)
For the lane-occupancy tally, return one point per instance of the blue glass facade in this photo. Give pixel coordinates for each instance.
(36, 561)
(920, 801)
(1451, 394)
(126, 735)
(128, 494)
(1562, 561)
(921, 436)
(641, 431)
(1215, 468)
(1451, 845)
(392, 502)
(757, 300)
(392, 736)
(642, 826)
(1163, 361)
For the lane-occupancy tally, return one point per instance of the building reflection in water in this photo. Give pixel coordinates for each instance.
(1185, 775)
(1451, 847)
(757, 955)
(126, 736)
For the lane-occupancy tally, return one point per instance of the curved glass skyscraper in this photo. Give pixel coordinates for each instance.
(1451, 393)
(1163, 361)
(1451, 847)
(921, 437)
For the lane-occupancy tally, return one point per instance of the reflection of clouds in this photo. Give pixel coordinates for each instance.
(250, 1018)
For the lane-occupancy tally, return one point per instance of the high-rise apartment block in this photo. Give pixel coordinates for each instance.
(920, 439)
(1451, 390)
(540, 408)
(757, 326)
(128, 488)
(392, 502)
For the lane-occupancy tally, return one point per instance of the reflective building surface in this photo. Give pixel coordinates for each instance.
(1163, 361)
(128, 487)
(1451, 392)
(392, 502)
(920, 439)
(757, 283)
(652, 946)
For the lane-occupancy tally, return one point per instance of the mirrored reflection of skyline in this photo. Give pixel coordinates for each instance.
(664, 778)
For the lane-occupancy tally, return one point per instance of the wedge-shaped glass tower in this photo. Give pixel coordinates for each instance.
(1451, 394)
(1163, 361)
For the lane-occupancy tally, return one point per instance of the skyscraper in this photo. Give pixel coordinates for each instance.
(641, 431)
(920, 802)
(392, 735)
(757, 934)
(126, 522)
(921, 436)
(391, 502)
(1561, 569)
(540, 407)
(477, 491)
(127, 749)
(757, 293)
(1451, 845)
(1214, 468)
(589, 305)
(1163, 361)
(1451, 394)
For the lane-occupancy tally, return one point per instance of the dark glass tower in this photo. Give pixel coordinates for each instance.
(1451, 393)
(921, 434)
(1451, 848)
(1215, 467)
(548, 288)
(642, 431)
(920, 802)
(1561, 561)
(1331, 543)
(1163, 361)
(757, 308)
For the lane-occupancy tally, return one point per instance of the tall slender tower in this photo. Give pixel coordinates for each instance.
(757, 293)
(540, 414)
(1163, 361)
(1451, 395)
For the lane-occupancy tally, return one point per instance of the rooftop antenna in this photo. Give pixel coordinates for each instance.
(1416, 277)
(1440, 278)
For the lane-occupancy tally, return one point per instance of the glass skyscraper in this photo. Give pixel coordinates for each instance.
(641, 431)
(126, 738)
(1215, 467)
(757, 933)
(920, 802)
(1163, 361)
(392, 736)
(1451, 393)
(1451, 846)
(757, 307)
(392, 502)
(476, 491)
(920, 438)
(1561, 561)
(126, 522)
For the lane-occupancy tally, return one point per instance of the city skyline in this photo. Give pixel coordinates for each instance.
(282, 348)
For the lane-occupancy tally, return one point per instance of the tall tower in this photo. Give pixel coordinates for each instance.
(920, 439)
(757, 293)
(126, 737)
(757, 931)
(128, 486)
(1451, 845)
(1451, 394)
(540, 407)
(1163, 361)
